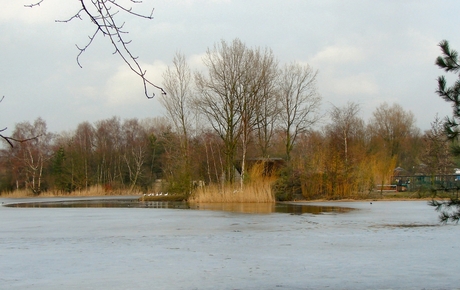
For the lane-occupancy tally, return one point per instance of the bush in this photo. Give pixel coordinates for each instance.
(288, 186)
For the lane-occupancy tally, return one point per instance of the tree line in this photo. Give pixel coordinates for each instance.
(243, 106)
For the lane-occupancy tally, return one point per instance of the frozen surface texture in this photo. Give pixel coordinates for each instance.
(384, 245)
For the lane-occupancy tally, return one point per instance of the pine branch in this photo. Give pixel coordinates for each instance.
(449, 210)
(449, 60)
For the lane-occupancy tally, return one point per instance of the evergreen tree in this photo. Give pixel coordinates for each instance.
(58, 170)
(450, 62)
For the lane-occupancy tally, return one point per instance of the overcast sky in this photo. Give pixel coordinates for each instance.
(368, 52)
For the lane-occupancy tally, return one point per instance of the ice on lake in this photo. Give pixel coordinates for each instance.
(384, 245)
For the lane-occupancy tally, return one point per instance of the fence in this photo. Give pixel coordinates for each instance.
(445, 182)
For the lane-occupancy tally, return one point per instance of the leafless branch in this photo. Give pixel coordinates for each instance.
(34, 4)
(102, 14)
(10, 140)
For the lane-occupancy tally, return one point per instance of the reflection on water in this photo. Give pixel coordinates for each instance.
(109, 203)
(265, 208)
(258, 208)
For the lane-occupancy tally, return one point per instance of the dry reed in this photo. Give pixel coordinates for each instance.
(257, 189)
(95, 190)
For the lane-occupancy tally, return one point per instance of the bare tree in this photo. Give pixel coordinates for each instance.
(134, 151)
(437, 155)
(267, 115)
(345, 122)
(84, 141)
(104, 15)
(108, 145)
(345, 150)
(394, 126)
(178, 82)
(219, 91)
(32, 155)
(300, 102)
(260, 76)
(231, 94)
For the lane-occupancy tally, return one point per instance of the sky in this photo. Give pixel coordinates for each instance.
(367, 52)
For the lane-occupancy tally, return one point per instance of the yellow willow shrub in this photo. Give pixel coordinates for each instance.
(357, 182)
(313, 185)
(382, 168)
(341, 187)
(332, 185)
(365, 175)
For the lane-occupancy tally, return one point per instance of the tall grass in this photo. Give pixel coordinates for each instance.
(16, 193)
(95, 190)
(254, 192)
(257, 188)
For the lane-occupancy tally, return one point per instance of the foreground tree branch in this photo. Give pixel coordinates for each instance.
(102, 14)
(449, 61)
(10, 140)
(449, 210)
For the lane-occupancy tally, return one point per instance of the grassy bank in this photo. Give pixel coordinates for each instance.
(96, 190)
(255, 191)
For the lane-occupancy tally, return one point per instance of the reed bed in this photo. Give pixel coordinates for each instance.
(259, 192)
(95, 190)
(256, 189)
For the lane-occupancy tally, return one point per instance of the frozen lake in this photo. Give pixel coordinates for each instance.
(384, 245)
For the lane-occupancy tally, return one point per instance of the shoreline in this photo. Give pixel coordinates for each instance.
(9, 200)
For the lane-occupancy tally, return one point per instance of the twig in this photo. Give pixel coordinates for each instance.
(33, 4)
(102, 14)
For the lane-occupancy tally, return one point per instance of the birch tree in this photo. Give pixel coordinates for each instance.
(34, 154)
(134, 151)
(177, 81)
(345, 124)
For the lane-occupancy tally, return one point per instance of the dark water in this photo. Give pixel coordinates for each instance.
(259, 208)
